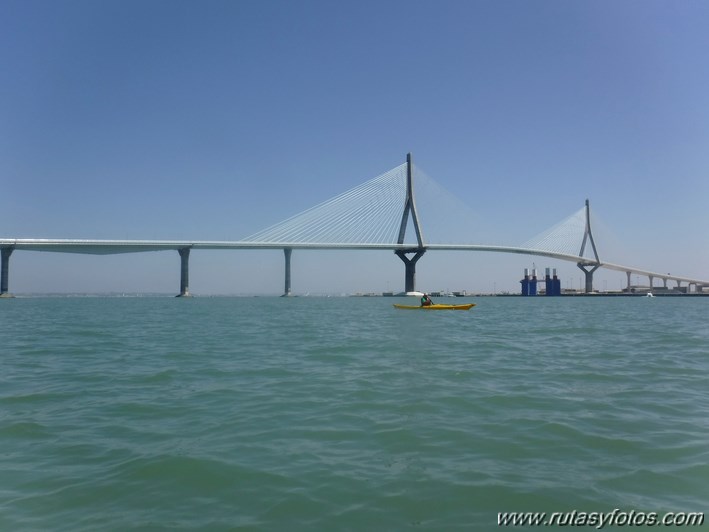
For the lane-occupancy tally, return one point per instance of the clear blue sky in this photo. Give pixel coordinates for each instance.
(211, 120)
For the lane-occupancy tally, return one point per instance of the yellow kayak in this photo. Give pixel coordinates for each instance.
(437, 307)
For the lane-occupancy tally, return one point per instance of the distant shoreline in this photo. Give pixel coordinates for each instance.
(326, 295)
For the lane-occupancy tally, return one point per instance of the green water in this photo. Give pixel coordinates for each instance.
(346, 414)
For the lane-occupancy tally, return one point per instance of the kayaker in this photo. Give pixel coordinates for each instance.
(426, 301)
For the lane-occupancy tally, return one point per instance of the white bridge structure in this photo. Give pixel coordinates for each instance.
(372, 216)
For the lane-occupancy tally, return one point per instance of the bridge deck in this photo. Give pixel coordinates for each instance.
(109, 247)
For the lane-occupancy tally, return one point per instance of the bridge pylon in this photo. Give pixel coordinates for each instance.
(184, 272)
(410, 207)
(588, 267)
(5, 271)
(287, 289)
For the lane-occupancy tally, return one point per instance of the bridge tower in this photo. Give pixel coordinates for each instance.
(588, 267)
(410, 207)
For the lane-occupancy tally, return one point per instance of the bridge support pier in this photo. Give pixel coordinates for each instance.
(287, 290)
(410, 265)
(652, 280)
(5, 271)
(184, 272)
(588, 274)
(628, 274)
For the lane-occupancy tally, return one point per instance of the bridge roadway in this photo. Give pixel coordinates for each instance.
(108, 247)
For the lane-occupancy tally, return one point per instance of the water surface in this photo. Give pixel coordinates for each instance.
(346, 414)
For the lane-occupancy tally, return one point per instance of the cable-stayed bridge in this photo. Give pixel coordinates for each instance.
(380, 214)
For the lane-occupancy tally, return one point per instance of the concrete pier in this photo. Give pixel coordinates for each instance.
(588, 274)
(410, 265)
(287, 289)
(184, 272)
(5, 271)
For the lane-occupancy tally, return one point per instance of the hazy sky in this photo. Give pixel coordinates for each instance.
(211, 120)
